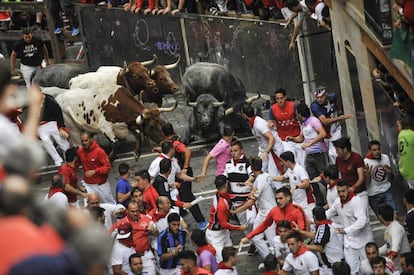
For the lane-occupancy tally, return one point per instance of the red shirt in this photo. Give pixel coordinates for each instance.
(70, 177)
(286, 122)
(21, 239)
(150, 197)
(200, 271)
(95, 159)
(291, 213)
(220, 214)
(348, 169)
(140, 233)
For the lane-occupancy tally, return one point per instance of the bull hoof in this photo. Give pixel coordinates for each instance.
(112, 157)
(137, 155)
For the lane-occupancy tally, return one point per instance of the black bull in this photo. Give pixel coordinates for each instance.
(216, 97)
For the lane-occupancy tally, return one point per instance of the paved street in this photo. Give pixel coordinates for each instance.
(247, 264)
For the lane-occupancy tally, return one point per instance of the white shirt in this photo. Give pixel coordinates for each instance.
(331, 242)
(296, 176)
(396, 240)
(331, 196)
(120, 255)
(379, 180)
(58, 200)
(154, 168)
(260, 128)
(226, 271)
(303, 264)
(281, 249)
(9, 137)
(265, 199)
(355, 220)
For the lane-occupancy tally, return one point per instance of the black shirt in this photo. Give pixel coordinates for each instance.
(30, 54)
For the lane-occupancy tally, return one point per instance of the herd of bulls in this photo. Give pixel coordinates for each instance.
(113, 100)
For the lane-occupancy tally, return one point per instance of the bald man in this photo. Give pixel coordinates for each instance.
(111, 210)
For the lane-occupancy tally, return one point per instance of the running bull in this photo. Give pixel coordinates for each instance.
(217, 97)
(111, 110)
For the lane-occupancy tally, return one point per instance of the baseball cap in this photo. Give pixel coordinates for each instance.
(124, 231)
(320, 91)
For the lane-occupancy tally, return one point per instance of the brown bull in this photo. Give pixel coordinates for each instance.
(110, 110)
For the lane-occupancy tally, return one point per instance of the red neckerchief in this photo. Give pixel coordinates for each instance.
(333, 184)
(350, 196)
(206, 247)
(370, 156)
(225, 196)
(323, 222)
(156, 216)
(301, 251)
(242, 157)
(222, 265)
(54, 190)
(269, 273)
(251, 121)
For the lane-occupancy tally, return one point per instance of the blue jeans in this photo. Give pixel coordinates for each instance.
(386, 198)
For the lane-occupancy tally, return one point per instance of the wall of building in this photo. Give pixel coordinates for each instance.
(346, 20)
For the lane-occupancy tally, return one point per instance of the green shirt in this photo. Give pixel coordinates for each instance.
(406, 149)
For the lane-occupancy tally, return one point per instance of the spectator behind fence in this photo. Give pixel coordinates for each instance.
(31, 50)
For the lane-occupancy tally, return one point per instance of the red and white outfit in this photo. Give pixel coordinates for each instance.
(223, 269)
(355, 221)
(272, 165)
(301, 263)
(396, 242)
(140, 240)
(57, 198)
(120, 256)
(291, 212)
(50, 123)
(265, 201)
(96, 159)
(300, 196)
(70, 177)
(217, 233)
(288, 125)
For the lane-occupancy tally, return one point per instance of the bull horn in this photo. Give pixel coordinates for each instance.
(149, 62)
(169, 109)
(174, 65)
(192, 104)
(218, 104)
(139, 120)
(229, 111)
(124, 70)
(252, 98)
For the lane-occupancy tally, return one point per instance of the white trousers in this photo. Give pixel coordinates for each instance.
(27, 73)
(45, 132)
(259, 241)
(103, 190)
(218, 239)
(354, 257)
(174, 271)
(148, 261)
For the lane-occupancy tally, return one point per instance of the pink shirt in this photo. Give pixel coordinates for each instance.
(221, 154)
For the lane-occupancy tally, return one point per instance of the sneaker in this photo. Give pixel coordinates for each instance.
(75, 31)
(202, 225)
(252, 250)
(58, 31)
